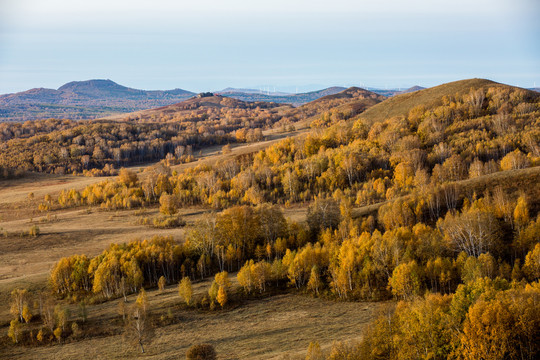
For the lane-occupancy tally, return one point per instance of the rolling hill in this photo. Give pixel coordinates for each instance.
(347, 103)
(198, 104)
(413, 89)
(401, 104)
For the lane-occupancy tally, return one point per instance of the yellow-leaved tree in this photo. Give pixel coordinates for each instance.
(406, 280)
(139, 330)
(161, 283)
(521, 213)
(185, 290)
(222, 296)
(14, 331)
(532, 263)
(19, 300)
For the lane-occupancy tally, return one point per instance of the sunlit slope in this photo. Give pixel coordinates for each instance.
(400, 105)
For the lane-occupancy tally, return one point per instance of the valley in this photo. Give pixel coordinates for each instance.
(352, 224)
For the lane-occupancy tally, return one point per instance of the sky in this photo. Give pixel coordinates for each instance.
(207, 45)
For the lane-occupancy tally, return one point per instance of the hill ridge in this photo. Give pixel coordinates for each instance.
(401, 104)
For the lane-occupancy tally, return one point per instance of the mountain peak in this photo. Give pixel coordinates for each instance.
(100, 88)
(91, 97)
(413, 89)
(91, 82)
(77, 86)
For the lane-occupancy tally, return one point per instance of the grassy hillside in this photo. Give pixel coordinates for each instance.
(401, 104)
(255, 329)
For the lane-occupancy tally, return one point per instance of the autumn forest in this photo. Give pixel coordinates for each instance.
(221, 228)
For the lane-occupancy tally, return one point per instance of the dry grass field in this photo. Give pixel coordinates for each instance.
(77, 231)
(275, 327)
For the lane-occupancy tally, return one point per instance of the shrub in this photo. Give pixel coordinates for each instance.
(201, 352)
(172, 221)
(33, 231)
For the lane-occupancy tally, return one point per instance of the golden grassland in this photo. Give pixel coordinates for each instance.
(274, 327)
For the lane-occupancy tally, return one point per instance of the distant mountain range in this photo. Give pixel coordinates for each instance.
(293, 99)
(230, 90)
(393, 92)
(84, 100)
(101, 98)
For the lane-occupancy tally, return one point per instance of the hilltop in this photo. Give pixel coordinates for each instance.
(101, 89)
(195, 106)
(340, 106)
(413, 89)
(401, 104)
(350, 93)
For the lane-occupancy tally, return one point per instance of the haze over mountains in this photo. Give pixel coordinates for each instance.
(83, 100)
(281, 98)
(101, 98)
(93, 99)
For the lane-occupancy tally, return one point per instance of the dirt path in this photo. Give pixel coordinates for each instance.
(17, 191)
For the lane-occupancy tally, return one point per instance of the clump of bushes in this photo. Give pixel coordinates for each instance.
(163, 221)
(201, 352)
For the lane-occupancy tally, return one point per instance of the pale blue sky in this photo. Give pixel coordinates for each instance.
(211, 44)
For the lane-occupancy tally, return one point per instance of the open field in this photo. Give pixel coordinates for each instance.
(268, 328)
